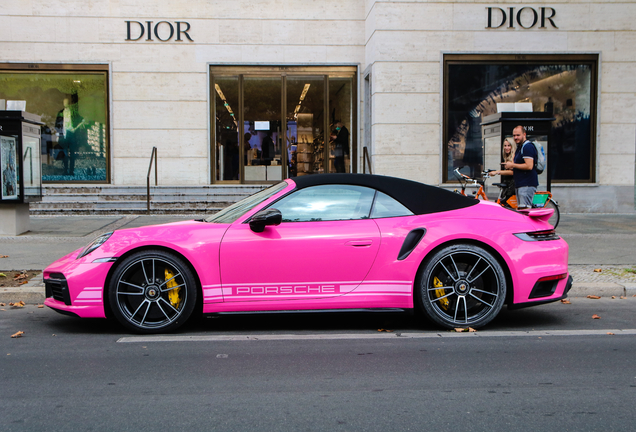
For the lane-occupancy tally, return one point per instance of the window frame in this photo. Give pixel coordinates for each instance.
(590, 59)
(243, 71)
(70, 68)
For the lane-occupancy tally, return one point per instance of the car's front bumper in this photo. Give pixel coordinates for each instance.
(76, 287)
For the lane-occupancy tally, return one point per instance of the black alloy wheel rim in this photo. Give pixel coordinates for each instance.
(463, 287)
(143, 293)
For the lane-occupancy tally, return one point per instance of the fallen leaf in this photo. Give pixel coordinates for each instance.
(623, 297)
(24, 282)
(610, 333)
(17, 335)
(565, 301)
(40, 306)
(4, 256)
(385, 330)
(596, 316)
(471, 330)
(17, 304)
(3, 275)
(598, 270)
(2, 304)
(21, 276)
(613, 297)
(459, 330)
(593, 297)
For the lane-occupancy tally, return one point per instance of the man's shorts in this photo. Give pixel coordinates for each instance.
(524, 196)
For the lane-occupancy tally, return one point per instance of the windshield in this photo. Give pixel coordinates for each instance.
(236, 210)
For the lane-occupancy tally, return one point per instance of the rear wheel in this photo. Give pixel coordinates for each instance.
(462, 285)
(152, 291)
(556, 216)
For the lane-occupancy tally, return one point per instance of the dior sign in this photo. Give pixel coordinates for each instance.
(163, 30)
(526, 17)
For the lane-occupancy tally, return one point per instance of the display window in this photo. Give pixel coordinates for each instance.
(72, 101)
(271, 123)
(563, 86)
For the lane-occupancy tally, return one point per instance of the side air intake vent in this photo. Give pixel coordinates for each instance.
(411, 241)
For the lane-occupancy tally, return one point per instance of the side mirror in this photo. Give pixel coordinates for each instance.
(263, 218)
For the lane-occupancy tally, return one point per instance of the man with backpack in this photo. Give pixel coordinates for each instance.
(523, 168)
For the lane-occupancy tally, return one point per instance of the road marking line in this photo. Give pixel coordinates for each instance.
(394, 335)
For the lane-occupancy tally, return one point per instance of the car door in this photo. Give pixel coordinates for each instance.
(324, 248)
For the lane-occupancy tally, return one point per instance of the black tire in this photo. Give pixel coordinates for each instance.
(462, 285)
(556, 216)
(142, 292)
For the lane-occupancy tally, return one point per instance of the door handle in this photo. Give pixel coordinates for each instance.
(360, 243)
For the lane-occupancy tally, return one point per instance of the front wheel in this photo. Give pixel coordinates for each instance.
(152, 291)
(556, 216)
(462, 285)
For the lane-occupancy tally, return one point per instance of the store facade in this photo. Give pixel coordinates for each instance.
(251, 93)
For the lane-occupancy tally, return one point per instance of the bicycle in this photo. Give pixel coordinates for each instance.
(541, 199)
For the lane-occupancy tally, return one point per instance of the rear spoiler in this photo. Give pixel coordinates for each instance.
(542, 214)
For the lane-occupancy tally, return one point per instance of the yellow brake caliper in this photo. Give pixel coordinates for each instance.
(440, 292)
(173, 294)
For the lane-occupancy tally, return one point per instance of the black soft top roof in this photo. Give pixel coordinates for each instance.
(417, 197)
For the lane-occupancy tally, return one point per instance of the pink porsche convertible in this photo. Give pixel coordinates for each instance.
(321, 242)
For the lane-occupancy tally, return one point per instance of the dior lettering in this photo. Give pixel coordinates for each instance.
(526, 17)
(163, 30)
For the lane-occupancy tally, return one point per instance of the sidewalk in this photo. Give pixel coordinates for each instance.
(597, 241)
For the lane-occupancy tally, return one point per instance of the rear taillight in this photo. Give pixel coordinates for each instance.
(544, 235)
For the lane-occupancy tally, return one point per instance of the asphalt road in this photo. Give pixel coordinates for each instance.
(546, 368)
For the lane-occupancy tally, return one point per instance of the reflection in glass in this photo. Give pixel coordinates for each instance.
(305, 126)
(327, 203)
(341, 119)
(73, 107)
(385, 207)
(262, 128)
(226, 90)
(563, 90)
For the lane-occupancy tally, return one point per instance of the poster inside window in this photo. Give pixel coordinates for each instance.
(9, 171)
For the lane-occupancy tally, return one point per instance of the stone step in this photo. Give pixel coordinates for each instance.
(109, 199)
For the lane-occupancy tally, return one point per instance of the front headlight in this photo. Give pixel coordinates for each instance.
(94, 244)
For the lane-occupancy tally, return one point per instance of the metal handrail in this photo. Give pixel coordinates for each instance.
(366, 159)
(153, 156)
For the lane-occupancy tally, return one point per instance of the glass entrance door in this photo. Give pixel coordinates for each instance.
(262, 129)
(305, 125)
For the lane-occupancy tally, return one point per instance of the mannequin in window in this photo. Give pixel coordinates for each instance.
(69, 125)
(340, 146)
(267, 149)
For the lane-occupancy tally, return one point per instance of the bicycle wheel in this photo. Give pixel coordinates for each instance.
(556, 216)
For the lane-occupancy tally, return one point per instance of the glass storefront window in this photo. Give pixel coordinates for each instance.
(74, 107)
(563, 86)
(340, 103)
(305, 125)
(226, 124)
(295, 120)
(262, 128)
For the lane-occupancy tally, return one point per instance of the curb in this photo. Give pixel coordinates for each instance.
(602, 289)
(29, 293)
(33, 292)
